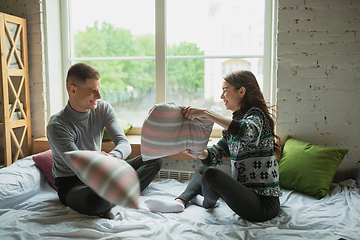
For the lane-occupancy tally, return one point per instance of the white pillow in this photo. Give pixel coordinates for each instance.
(111, 178)
(18, 182)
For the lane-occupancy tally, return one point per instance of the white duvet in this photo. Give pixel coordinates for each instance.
(30, 209)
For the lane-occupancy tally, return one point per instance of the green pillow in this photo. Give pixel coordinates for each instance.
(124, 125)
(308, 168)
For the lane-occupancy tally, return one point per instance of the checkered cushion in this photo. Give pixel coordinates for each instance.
(111, 178)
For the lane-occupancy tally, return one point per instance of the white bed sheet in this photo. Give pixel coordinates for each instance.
(42, 216)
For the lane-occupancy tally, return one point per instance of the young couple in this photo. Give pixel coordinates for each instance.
(248, 139)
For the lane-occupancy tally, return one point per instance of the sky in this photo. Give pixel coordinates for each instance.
(186, 19)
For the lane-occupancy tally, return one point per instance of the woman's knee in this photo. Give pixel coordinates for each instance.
(157, 163)
(211, 176)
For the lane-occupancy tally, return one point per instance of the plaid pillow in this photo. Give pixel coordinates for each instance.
(166, 132)
(111, 178)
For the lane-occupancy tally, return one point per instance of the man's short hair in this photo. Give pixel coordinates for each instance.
(79, 72)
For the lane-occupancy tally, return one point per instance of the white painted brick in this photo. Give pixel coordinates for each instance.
(295, 14)
(284, 116)
(33, 7)
(346, 118)
(287, 49)
(311, 72)
(292, 4)
(345, 80)
(336, 15)
(308, 95)
(309, 25)
(310, 117)
(342, 48)
(285, 95)
(338, 60)
(338, 4)
(315, 5)
(34, 18)
(317, 37)
(302, 60)
(355, 4)
(285, 70)
(336, 102)
(283, 129)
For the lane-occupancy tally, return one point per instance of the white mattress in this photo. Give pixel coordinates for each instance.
(30, 209)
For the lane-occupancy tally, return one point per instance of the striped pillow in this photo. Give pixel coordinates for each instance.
(166, 132)
(111, 178)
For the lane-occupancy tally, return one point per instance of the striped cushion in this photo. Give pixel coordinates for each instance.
(111, 178)
(166, 132)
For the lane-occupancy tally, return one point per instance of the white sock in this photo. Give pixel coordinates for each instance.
(198, 200)
(164, 206)
(113, 213)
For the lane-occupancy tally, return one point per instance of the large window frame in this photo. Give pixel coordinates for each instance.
(269, 86)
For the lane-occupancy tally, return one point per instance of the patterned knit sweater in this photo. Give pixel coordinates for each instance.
(249, 144)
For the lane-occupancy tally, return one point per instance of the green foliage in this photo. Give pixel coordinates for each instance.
(109, 41)
(185, 74)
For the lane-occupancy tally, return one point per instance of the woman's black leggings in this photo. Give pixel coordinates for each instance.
(213, 183)
(81, 198)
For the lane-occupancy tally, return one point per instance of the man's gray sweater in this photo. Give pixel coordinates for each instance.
(69, 130)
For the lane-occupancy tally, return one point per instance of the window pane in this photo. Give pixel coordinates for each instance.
(208, 29)
(129, 86)
(112, 28)
(118, 28)
(226, 27)
(198, 82)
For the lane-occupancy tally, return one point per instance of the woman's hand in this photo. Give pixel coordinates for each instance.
(192, 113)
(203, 155)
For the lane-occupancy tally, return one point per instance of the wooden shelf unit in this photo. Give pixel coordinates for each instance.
(15, 118)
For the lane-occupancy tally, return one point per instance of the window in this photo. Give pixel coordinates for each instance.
(150, 51)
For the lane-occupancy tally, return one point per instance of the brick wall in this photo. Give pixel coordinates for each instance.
(318, 74)
(31, 10)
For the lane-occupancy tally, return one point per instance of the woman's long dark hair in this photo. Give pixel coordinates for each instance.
(253, 98)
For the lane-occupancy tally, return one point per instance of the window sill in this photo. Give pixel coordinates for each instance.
(41, 144)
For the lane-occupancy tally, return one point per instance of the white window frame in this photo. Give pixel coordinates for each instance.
(161, 58)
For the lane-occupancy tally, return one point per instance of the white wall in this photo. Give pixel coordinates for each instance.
(318, 76)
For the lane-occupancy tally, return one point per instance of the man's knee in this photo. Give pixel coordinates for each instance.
(96, 205)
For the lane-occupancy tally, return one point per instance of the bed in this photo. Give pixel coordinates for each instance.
(30, 209)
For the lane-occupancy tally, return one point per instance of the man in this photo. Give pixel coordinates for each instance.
(80, 126)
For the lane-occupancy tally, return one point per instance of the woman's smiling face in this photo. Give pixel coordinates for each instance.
(231, 96)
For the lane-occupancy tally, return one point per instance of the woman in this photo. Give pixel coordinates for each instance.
(249, 139)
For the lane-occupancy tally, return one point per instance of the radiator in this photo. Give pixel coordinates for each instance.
(181, 176)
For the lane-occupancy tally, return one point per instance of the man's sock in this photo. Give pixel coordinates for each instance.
(199, 200)
(164, 206)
